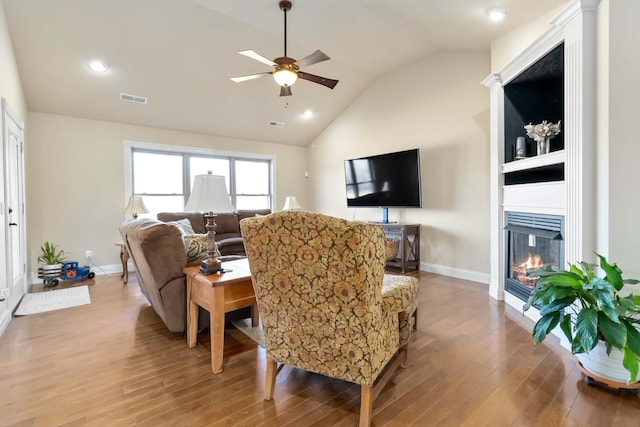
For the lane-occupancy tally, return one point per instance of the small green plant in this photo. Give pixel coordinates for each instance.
(589, 309)
(50, 254)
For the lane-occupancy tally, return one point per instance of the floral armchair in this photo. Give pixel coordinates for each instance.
(325, 302)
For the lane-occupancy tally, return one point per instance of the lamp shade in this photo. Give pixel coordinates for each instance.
(135, 206)
(209, 194)
(291, 204)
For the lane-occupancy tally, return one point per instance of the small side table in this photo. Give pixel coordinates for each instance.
(409, 253)
(124, 259)
(218, 293)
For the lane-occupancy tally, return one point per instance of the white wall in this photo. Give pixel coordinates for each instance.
(75, 178)
(504, 49)
(438, 105)
(10, 85)
(621, 134)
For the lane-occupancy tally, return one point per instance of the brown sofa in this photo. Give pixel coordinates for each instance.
(228, 235)
(159, 255)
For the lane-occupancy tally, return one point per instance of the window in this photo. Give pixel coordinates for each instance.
(164, 176)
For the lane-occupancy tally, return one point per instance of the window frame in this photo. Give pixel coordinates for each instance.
(186, 152)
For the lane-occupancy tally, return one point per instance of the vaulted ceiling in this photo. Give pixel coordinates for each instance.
(180, 55)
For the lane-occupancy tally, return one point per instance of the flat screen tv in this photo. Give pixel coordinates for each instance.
(384, 180)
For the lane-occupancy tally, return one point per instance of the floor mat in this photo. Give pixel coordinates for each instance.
(41, 302)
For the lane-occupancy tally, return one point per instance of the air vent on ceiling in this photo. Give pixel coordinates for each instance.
(275, 124)
(133, 98)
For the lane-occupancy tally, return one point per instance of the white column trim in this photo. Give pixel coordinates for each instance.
(496, 182)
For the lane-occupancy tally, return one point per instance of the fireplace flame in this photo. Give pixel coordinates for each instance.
(533, 261)
(520, 270)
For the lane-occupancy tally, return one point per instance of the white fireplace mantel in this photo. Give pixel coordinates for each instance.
(574, 197)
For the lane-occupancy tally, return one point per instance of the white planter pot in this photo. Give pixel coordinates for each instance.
(607, 366)
(47, 267)
(50, 271)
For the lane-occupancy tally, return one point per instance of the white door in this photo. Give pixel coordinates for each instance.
(15, 224)
(5, 313)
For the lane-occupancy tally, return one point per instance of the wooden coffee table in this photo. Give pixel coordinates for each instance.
(218, 293)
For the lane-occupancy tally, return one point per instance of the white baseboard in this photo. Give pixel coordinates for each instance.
(458, 273)
(534, 315)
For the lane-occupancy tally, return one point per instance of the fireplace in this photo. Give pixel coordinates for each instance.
(532, 240)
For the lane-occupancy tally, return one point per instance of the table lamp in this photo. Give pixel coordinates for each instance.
(135, 206)
(291, 204)
(209, 195)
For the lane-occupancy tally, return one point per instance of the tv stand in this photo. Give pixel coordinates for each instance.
(409, 253)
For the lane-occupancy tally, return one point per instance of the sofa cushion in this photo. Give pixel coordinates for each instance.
(196, 219)
(196, 246)
(184, 225)
(242, 214)
(227, 224)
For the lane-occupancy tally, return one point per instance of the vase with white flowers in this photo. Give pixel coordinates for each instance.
(542, 134)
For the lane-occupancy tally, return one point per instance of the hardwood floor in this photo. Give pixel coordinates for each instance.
(471, 363)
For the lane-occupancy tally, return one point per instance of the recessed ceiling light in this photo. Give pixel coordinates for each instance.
(97, 66)
(497, 13)
(307, 114)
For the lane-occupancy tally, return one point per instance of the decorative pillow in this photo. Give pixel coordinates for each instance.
(184, 225)
(196, 246)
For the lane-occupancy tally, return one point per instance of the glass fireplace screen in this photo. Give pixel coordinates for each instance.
(531, 246)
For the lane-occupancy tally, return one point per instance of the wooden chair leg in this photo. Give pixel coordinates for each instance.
(415, 319)
(404, 355)
(366, 405)
(255, 315)
(270, 378)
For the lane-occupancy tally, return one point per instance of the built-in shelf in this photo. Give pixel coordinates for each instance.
(535, 162)
(535, 95)
(548, 173)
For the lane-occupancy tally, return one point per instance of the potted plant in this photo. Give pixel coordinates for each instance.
(596, 315)
(50, 256)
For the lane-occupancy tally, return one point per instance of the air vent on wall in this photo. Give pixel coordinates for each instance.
(133, 98)
(275, 124)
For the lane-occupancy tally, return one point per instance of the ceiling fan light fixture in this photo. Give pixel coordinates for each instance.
(285, 77)
(286, 69)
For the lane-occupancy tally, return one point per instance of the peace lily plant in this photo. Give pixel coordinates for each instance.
(589, 309)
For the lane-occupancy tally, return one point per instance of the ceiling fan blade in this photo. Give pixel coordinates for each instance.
(285, 91)
(251, 54)
(330, 83)
(314, 58)
(240, 79)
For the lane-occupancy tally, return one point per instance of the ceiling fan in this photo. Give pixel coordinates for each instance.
(287, 70)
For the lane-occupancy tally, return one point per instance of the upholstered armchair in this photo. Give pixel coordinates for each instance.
(324, 302)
